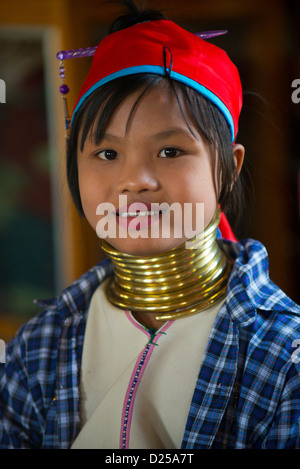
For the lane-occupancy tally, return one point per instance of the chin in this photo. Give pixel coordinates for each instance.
(144, 247)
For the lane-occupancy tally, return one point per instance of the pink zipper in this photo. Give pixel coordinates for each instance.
(135, 380)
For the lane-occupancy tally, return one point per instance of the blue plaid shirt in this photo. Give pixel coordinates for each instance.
(248, 390)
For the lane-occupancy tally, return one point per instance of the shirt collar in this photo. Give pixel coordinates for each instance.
(250, 288)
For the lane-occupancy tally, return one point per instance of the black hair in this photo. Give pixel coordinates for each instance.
(209, 120)
(133, 15)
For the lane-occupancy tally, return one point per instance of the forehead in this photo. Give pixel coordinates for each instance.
(154, 98)
(148, 109)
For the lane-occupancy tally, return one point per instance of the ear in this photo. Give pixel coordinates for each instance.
(238, 155)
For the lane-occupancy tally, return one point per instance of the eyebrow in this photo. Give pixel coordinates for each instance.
(159, 136)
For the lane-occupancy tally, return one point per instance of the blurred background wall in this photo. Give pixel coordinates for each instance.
(44, 245)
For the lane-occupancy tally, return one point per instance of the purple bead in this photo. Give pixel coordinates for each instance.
(64, 89)
(60, 55)
(62, 71)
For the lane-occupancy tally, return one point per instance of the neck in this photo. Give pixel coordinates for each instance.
(178, 283)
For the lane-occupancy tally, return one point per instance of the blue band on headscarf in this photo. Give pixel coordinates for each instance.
(161, 71)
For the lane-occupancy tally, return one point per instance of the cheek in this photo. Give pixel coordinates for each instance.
(198, 186)
(90, 194)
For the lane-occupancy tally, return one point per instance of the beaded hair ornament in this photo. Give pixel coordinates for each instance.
(164, 48)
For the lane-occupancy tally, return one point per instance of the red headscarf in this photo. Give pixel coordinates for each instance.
(164, 48)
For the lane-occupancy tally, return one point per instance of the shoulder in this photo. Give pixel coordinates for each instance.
(42, 332)
(266, 317)
(252, 294)
(250, 278)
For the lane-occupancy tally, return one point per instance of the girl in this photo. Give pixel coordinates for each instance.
(171, 342)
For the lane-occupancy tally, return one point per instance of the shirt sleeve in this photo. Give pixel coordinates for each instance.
(285, 430)
(20, 423)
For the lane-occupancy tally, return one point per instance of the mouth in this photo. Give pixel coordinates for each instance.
(147, 213)
(139, 215)
(140, 209)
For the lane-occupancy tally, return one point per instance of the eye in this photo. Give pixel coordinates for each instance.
(107, 155)
(169, 152)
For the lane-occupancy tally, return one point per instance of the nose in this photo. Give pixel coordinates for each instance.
(137, 176)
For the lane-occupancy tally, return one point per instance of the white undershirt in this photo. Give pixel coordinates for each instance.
(135, 394)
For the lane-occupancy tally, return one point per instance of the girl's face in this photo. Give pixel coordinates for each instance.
(155, 159)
